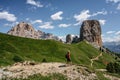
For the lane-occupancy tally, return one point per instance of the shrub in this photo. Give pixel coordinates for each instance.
(17, 59)
(113, 67)
(44, 60)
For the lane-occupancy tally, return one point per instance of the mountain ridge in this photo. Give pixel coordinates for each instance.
(24, 29)
(113, 46)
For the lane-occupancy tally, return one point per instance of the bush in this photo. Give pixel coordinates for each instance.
(113, 67)
(44, 60)
(17, 59)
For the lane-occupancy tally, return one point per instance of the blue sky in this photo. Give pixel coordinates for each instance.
(62, 17)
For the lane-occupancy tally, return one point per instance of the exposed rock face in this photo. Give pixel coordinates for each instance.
(43, 35)
(69, 38)
(26, 30)
(75, 39)
(91, 32)
(23, 30)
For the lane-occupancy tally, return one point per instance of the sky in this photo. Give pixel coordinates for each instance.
(62, 17)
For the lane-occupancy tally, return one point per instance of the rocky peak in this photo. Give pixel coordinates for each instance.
(91, 31)
(75, 39)
(69, 38)
(26, 30)
(23, 30)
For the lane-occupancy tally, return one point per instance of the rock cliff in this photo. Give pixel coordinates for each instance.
(23, 30)
(26, 30)
(91, 31)
(69, 38)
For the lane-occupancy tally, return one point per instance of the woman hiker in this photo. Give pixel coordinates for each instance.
(68, 58)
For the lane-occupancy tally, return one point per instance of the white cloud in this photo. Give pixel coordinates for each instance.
(111, 38)
(117, 33)
(115, 1)
(64, 25)
(118, 7)
(46, 25)
(35, 3)
(99, 13)
(107, 39)
(85, 14)
(57, 16)
(82, 16)
(41, 24)
(102, 22)
(110, 32)
(11, 24)
(63, 38)
(7, 25)
(36, 21)
(102, 35)
(27, 19)
(7, 16)
(76, 24)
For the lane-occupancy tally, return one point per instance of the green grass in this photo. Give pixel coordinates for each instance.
(54, 76)
(52, 51)
(113, 74)
(101, 76)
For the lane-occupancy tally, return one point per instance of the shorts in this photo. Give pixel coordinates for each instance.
(68, 60)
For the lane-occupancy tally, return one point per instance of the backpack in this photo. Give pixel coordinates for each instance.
(66, 56)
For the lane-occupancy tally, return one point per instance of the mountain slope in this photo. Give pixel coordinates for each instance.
(52, 51)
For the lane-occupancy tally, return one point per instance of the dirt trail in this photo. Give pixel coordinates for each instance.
(73, 72)
(96, 58)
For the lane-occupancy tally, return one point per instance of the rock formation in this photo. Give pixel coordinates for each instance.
(69, 38)
(75, 39)
(91, 32)
(23, 30)
(26, 30)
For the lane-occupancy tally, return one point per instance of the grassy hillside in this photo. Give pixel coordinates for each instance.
(52, 51)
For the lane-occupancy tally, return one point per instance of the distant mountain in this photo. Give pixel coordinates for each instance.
(113, 46)
(26, 30)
